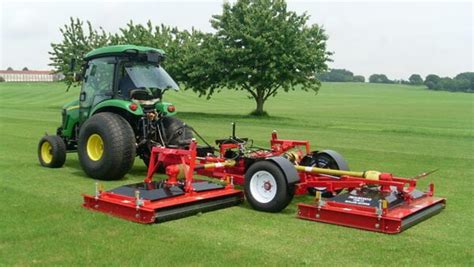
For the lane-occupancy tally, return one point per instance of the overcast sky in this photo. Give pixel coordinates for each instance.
(395, 38)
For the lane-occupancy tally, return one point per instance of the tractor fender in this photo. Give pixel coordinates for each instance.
(119, 104)
(341, 162)
(287, 167)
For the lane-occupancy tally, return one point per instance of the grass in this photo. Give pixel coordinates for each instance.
(400, 129)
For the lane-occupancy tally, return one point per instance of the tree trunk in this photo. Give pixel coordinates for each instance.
(259, 100)
(259, 110)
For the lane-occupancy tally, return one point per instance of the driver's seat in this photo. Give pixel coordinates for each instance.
(125, 85)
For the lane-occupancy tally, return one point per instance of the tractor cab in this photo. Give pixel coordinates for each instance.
(123, 72)
(143, 82)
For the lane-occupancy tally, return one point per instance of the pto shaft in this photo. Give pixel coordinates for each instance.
(371, 175)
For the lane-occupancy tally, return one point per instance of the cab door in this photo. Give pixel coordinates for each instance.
(97, 86)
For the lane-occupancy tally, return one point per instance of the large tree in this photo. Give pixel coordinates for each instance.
(259, 47)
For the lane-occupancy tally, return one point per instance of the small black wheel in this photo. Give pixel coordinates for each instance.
(327, 159)
(52, 151)
(266, 188)
(106, 146)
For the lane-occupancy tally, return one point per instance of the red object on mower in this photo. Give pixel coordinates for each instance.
(158, 201)
(367, 200)
(384, 205)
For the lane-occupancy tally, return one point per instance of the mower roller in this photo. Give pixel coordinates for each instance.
(369, 200)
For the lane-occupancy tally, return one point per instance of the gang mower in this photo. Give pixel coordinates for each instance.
(270, 177)
(120, 114)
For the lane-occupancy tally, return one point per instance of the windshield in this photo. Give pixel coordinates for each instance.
(150, 76)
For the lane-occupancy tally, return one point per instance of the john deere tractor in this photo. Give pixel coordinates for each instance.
(119, 114)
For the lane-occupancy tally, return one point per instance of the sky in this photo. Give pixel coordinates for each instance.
(394, 38)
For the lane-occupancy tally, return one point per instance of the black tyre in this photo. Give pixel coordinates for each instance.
(51, 151)
(176, 132)
(327, 159)
(106, 146)
(266, 188)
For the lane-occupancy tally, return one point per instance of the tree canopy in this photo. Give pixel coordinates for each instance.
(379, 78)
(340, 75)
(76, 42)
(259, 47)
(463, 82)
(415, 79)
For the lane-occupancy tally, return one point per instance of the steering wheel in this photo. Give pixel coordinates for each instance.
(141, 94)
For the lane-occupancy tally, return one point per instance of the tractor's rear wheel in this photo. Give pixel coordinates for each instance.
(106, 146)
(51, 151)
(176, 134)
(266, 188)
(176, 131)
(327, 159)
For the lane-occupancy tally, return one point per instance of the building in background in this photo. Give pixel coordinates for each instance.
(30, 76)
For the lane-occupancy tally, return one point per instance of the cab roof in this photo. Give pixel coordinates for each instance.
(117, 50)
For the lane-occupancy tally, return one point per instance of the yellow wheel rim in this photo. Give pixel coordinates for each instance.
(46, 153)
(95, 147)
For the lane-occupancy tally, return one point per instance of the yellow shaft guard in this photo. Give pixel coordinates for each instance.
(371, 175)
(227, 163)
(329, 171)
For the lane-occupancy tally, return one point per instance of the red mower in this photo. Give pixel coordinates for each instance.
(270, 178)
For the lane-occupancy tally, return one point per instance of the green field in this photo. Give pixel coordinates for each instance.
(400, 129)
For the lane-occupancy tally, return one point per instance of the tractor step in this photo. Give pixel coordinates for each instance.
(158, 203)
(359, 212)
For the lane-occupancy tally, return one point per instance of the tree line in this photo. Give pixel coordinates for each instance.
(340, 75)
(258, 47)
(463, 82)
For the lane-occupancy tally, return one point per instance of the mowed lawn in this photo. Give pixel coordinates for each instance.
(400, 129)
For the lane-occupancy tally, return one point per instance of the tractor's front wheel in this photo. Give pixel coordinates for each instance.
(266, 188)
(106, 146)
(51, 151)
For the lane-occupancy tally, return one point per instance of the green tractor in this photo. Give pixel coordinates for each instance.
(119, 114)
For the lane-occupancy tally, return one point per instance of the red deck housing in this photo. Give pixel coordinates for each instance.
(410, 206)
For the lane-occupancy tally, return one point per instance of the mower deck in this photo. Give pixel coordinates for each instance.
(365, 211)
(159, 202)
(368, 200)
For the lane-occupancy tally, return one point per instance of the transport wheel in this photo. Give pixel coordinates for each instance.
(266, 188)
(327, 159)
(51, 151)
(106, 146)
